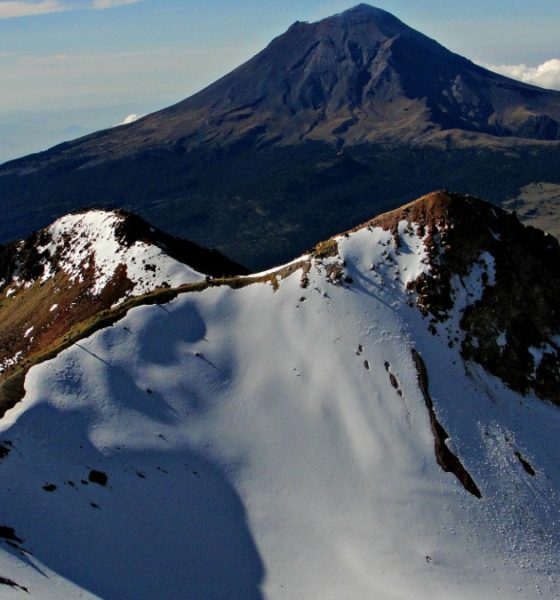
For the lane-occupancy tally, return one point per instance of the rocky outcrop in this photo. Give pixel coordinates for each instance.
(501, 278)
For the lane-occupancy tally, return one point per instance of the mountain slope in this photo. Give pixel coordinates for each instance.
(307, 433)
(65, 275)
(285, 150)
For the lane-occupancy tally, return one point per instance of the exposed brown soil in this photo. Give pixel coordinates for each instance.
(326, 249)
(31, 307)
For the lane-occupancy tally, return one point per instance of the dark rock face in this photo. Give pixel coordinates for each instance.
(349, 79)
(513, 328)
(98, 477)
(311, 135)
(210, 262)
(445, 458)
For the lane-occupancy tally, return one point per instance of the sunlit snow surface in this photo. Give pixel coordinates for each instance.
(89, 240)
(255, 448)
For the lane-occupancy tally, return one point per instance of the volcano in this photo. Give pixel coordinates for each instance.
(315, 132)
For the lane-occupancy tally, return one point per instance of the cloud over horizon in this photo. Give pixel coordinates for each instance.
(103, 4)
(11, 9)
(23, 8)
(545, 75)
(129, 119)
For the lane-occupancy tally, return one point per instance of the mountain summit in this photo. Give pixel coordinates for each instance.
(292, 142)
(360, 76)
(355, 77)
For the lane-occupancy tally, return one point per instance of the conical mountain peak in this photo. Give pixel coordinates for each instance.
(359, 15)
(364, 9)
(367, 13)
(356, 77)
(362, 24)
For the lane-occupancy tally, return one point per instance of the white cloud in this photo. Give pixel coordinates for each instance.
(102, 4)
(546, 75)
(10, 9)
(128, 120)
(23, 8)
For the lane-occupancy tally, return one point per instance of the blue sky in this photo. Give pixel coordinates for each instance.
(77, 65)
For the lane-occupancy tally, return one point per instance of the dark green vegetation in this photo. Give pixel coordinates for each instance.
(263, 206)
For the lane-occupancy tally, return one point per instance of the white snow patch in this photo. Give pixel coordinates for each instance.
(468, 290)
(537, 354)
(373, 251)
(302, 258)
(9, 362)
(88, 241)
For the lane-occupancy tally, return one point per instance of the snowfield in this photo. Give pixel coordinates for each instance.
(263, 443)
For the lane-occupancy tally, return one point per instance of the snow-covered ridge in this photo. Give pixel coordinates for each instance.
(493, 286)
(81, 265)
(273, 440)
(87, 245)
